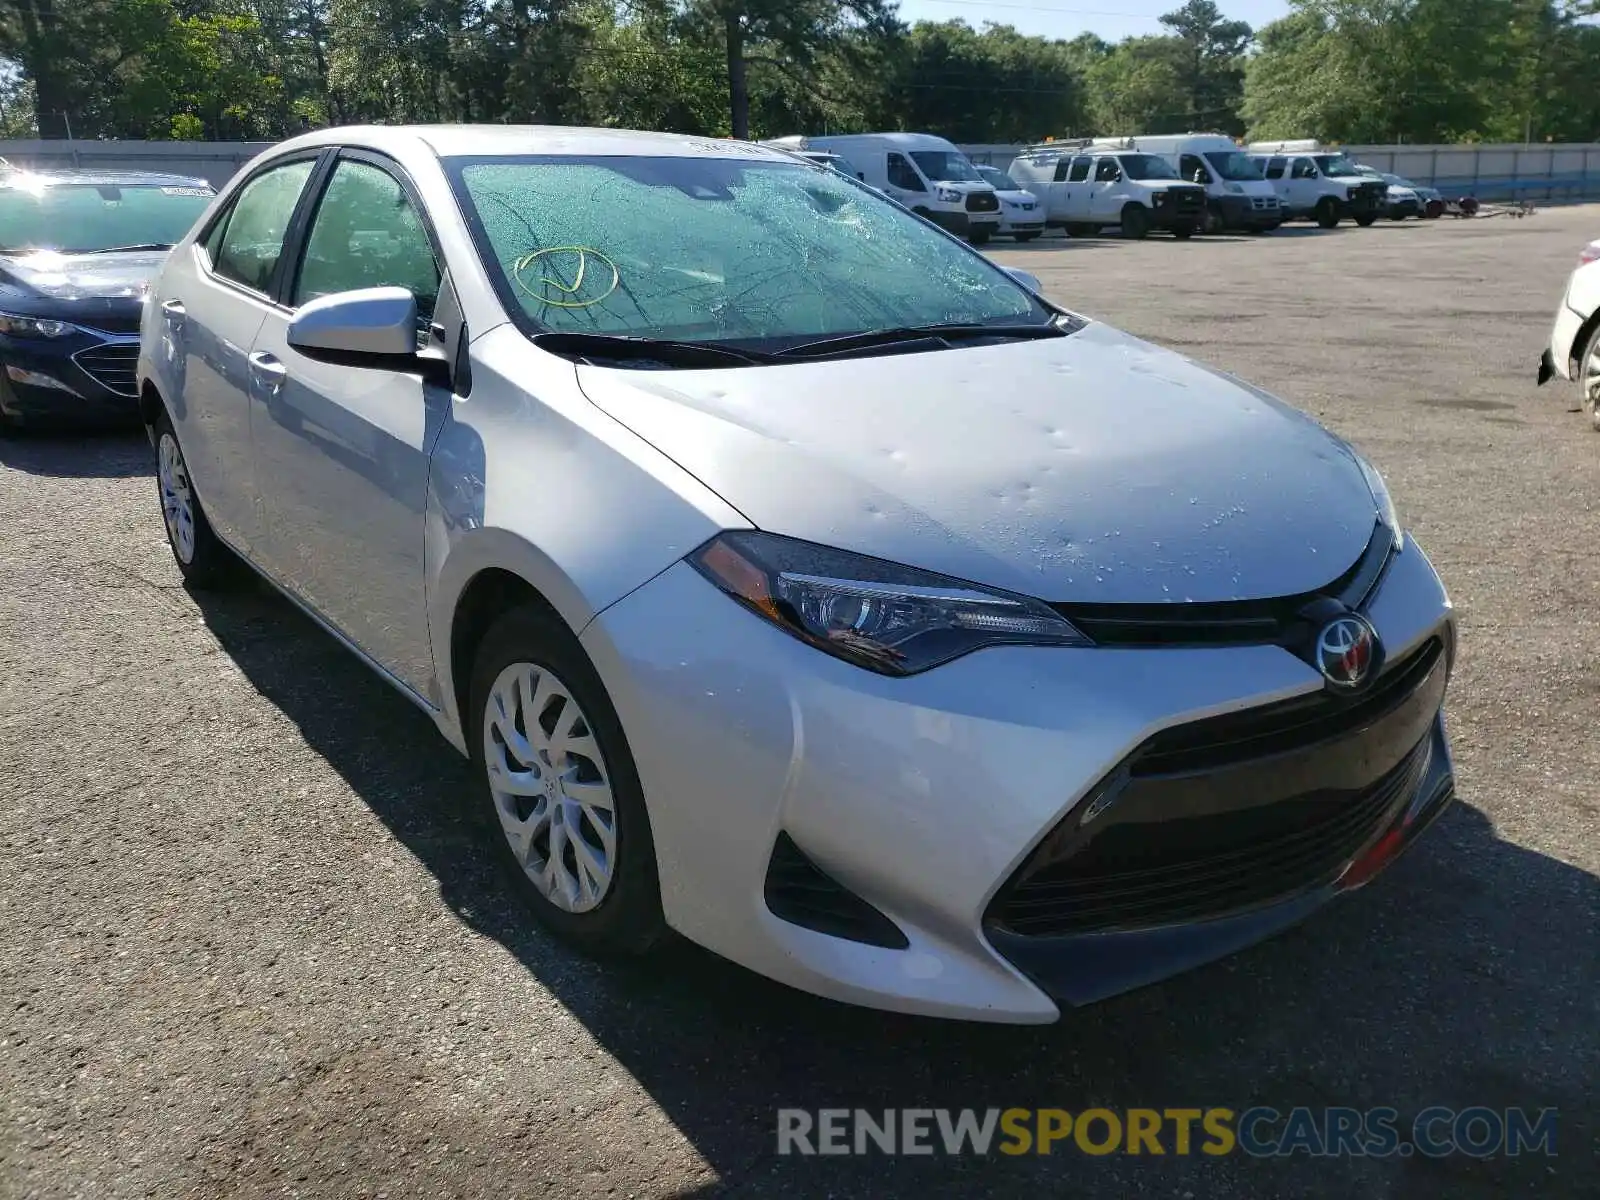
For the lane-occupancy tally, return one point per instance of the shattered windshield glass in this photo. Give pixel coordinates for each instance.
(718, 249)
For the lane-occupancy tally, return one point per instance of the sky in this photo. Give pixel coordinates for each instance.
(1111, 19)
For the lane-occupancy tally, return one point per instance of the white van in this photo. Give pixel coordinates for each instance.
(1317, 182)
(1085, 185)
(1238, 196)
(925, 173)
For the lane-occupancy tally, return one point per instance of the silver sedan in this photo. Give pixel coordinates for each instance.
(794, 577)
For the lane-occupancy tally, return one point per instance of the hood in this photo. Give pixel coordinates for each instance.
(963, 186)
(51, 275)
(1088, 468)
(1015, 196)
(1249, 187)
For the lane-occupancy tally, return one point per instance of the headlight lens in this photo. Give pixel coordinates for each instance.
(32, 327)
(887, 618)
(1385, 502)
(948, 195)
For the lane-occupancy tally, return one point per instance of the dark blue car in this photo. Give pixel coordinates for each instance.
(76, 251)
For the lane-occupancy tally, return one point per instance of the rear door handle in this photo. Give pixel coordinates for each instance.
(269, 371)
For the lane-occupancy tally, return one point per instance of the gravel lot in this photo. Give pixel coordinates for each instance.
(250, 948)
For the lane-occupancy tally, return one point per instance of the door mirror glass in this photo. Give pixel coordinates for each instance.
(371, 322)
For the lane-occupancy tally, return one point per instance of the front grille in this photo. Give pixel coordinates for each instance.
(802, 893)
(1234, 811)
(1280, 621)
(1186, 201)
(111, 365)
(1199, 867)
(1263, 203)
(112, 322)
(982, 202)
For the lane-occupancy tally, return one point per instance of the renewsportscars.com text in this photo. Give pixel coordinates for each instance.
(1261, 1132)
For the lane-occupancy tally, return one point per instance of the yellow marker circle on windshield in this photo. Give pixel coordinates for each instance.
(569, 276)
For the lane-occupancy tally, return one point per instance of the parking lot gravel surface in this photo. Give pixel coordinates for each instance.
(251, 946)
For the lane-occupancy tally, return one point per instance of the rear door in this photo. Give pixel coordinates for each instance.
(1069, 194)
(342, 449)
(212, 303)
(1276, 170)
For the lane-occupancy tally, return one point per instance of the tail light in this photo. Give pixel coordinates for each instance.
(1589, 254)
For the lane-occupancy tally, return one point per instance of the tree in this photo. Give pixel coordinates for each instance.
(791, 37)
(1212, 74)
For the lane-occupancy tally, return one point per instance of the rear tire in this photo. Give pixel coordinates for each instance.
(205, 563)
(1135, 222)
(1326, 213)
(559, 794)
(1078, 229)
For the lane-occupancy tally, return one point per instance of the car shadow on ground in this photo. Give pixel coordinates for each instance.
(1467, 975)
(78, 454)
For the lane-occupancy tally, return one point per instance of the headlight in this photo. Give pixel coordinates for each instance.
(887, 618)
(948, 195)
(1385, 502)
(32, 327)
(1350, 193)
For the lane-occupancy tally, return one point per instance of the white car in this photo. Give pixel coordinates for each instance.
(1574, 350)
(671, 478)
(1021, 215)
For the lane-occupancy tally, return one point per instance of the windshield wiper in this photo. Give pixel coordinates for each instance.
(618, 347)
(850, 342)
(134, 246)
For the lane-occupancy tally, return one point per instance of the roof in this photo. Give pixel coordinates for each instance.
(490, 140)
(9, 178)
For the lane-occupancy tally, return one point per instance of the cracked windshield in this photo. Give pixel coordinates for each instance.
(714, 249)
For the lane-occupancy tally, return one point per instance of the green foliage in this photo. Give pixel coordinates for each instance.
(1342, 70)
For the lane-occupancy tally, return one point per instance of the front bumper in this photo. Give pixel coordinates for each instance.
(48, 383)
(1563, 347)
(1405, 208)
(924, 796)
(964, 224)
(1242, 212)
(1022, 223)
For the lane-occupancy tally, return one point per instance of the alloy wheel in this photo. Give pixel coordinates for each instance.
(550, 786)
(1591, 382)
(177, 497)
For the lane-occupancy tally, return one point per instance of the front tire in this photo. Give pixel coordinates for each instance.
(1027, 237)
(560, 798)
(1215, 222)
(1366, 219)
(1183, 232)
(979, 237)
(205, 563)
(1589, 378)
(1135, 222)
(1326, 213)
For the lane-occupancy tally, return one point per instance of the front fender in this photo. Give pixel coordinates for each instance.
(529, 477)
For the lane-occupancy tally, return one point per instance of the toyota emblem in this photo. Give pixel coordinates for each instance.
(1347, 652)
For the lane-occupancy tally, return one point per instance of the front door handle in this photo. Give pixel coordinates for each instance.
(268, 371)
(173, 311)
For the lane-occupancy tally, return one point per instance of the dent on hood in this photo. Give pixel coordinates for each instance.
(1092, 468)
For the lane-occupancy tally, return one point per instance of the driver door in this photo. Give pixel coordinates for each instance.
(905, 185)
(1303, 183)
(341, 450)
(1105, 195)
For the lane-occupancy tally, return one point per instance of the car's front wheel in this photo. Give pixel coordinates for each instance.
(1589, 378)
(561, 797)
(201, 556)
(1326, 213)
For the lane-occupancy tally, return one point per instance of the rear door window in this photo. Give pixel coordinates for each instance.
(1275, 168)
(251, 244)
(1080, 169)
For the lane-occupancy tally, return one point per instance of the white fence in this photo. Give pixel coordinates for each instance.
(1554, 173)
(1551, 173)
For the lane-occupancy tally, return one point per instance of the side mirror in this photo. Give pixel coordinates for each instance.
(1026, 278)
(369, 322)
